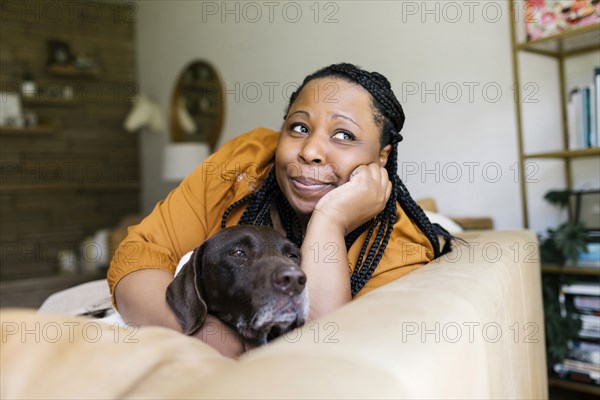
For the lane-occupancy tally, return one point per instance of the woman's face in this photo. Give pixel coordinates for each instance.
(328, 132)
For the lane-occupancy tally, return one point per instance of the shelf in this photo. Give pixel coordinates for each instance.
(41, 100)
(16, 187)
(32, 131)
(555, 269)
(591, 152)
(567, 43)
(575, 386)
(71, 71)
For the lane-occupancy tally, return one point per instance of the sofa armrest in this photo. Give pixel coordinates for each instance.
(468, 325)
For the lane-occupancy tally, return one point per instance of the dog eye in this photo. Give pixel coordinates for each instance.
(238, 253)
(293, 256)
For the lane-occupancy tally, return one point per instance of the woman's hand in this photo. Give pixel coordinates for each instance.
(358, 200)
(339, 212)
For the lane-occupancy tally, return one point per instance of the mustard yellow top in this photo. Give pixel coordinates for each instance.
(192, 212)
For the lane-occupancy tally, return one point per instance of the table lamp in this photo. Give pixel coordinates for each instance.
(180, 159)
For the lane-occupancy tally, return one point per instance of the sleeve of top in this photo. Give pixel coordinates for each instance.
(192, 212)
(407, 249)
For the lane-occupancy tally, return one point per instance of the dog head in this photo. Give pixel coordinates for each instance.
(249, 277)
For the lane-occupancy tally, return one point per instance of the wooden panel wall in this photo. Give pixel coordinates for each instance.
(60, 186)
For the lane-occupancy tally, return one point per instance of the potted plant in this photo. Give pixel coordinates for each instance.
(568, 240)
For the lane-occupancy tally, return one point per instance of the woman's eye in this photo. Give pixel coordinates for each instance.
(344, 136)
(299, 128)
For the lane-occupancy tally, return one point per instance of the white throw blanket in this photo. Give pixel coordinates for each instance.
(89, 298)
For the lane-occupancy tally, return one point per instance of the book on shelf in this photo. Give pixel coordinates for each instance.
(577, 374)
(575, 120)
(587, 116)
(596, 87)
(582, 288)
(587, 309)
(587, 304)
(581, 300)
(596, 103)
(583, 112)
(590, 258)
(584, 351)
(582, 366)
(582, 363)
(590, 326)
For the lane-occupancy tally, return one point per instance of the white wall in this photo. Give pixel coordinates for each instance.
(449, 64)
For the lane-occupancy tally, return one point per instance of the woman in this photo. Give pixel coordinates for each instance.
(328, 181)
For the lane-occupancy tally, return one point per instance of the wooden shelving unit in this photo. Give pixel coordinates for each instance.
(72, 71)
(77, 171)
(556, 269)
(565, 44)
(591, 152)
(558, 47)
(44, 101)
(38, 130)
(574, 386)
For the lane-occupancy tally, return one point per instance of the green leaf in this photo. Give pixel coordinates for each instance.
(558, 198)
(571, 239)
(559, 330)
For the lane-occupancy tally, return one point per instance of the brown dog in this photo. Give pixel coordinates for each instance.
(249, 277)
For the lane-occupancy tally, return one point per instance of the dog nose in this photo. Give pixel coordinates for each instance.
(289, 280)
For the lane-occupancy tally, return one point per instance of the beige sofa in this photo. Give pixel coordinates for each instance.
(467, 326)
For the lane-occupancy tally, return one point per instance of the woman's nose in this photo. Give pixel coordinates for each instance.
(313, 150)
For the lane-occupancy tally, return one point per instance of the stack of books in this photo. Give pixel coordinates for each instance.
(583, 111)
(583, 361)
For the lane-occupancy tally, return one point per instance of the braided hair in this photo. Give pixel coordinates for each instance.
(389, 116)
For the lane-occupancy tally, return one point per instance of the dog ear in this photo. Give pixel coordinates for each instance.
(185, 297)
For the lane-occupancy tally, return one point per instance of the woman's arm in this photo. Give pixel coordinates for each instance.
(185, 219)
(139, 304)
(325, 263)
(339, 212)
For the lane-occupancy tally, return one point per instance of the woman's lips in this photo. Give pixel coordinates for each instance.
(309, 185)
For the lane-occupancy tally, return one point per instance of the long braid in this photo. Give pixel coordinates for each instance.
(289, 220)
(364, 271)
(260, 203)
(363, 249)
(352, 236)
(232, 207)
(411, 208)
(388, 114)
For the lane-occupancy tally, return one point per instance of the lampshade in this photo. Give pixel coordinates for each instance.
(182, 158)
